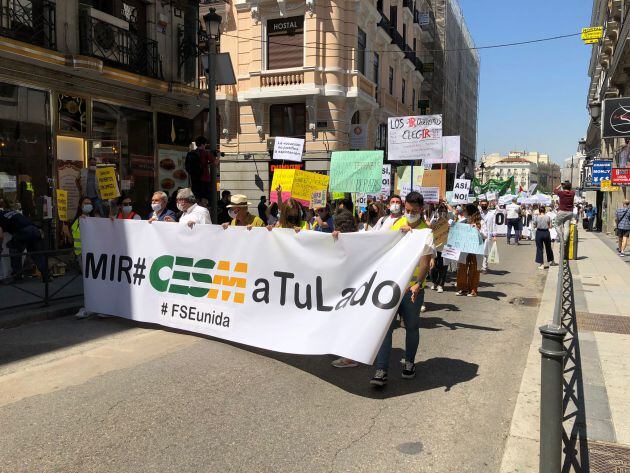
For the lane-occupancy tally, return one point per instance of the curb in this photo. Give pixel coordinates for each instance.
(39, 314)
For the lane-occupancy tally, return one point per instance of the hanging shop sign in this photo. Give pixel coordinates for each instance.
(616, 118)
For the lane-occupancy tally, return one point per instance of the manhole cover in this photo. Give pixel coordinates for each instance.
(526, 301)
(603, 323)
(606, 458)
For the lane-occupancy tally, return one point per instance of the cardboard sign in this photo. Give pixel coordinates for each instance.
(440, 232)
(461, 188)
(62, 204)
(289, 149)
(107, 182)
(413, 138)
(356, 171)
(435, 178)
(466, 238)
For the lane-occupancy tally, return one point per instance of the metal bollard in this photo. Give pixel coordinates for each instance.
(551, 394)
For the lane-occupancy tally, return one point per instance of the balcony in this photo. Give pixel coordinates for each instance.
(385, 24)
(419, 65)
(117, 46)
(28, 21)
(281, 79)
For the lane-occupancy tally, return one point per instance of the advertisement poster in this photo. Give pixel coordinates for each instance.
(172, 173)
(602, 170)
(414, 138)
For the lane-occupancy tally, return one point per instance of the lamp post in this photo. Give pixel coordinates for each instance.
(213, 23)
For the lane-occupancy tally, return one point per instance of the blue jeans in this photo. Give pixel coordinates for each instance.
(410, 313)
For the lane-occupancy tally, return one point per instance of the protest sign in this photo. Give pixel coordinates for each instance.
(450, 152)
(386, 183)
(405, 190)
(254, 287)
(289, 149)
(62, 204)
(449, 197)
(506, 199)
(414, 138)
(107, 182)
(403, 176)
(435, 178)
(461, 187)
(361, 201)
(297, 184)
(440, 232)
(318, 199)
(450, 253)
(356, 171)
(431, 194)
(338, 195)
(490, 196)
(466, 238)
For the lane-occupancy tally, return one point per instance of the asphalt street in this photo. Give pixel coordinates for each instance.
(110, 395)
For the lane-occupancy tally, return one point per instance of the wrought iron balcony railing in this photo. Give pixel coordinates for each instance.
(118, 47)
(29, 21)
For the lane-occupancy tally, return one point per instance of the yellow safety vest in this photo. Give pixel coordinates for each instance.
(416, 272)
(76, 236)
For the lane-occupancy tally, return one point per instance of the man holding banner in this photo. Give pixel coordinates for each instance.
(413, 298)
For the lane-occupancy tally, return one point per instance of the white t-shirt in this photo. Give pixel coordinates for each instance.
(195, 213)
(513, 210)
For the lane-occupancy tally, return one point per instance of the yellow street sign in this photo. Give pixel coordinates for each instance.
(605, 186)
(594, 32)
(591, 41)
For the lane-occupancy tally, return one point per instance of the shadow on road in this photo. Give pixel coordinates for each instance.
(494, 295)
(438, 322)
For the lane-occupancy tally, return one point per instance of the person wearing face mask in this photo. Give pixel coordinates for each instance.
(488, 216)
(291, 216)
(395, 214)
(192, 213)
(125, 210)
(413, 298)
(324, 221)
(439, 269)
(238, 210)
(161, 213)
(467, 268)
(373, 216)
(87, 184)
(86, 209)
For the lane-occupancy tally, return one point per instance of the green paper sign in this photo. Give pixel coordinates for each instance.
(356, 171)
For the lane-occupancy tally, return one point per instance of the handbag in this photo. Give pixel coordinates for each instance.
(493, 256)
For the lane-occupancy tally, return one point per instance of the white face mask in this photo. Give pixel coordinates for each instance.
(232, 213)
(412, 218)
(156, 207)
(180, 207)
(127, 209)
(87, 208)
(395, 208)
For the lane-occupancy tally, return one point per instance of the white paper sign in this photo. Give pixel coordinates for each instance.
(450, 151)
(490, 196)
(358, 136)
(461, 188)
(431, 194)
(386, 184)
(414, 138)
(288, 149)
(255, 287)
(449, 252)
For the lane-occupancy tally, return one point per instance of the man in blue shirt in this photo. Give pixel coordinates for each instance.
(160, 212)
(591, 212)
(323, 220)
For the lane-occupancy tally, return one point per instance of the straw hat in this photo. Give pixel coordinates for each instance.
(238, 200)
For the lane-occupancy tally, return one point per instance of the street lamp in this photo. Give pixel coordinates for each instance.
(595, 109)
(482, 166)
(213, 23)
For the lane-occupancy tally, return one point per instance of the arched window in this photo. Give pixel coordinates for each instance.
(356, 118)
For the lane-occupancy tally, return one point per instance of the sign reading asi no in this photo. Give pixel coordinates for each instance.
(461, 188)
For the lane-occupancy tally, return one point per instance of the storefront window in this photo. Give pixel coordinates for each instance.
(25, 149)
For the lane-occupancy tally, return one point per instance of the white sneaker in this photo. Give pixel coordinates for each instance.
(82, 314)
(542, 266)
(434, 287)
(440, 289)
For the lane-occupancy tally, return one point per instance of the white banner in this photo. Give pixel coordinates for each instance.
(288, 149)
(414, 138)
(301, 293)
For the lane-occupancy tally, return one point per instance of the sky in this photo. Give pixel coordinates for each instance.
(532, 97)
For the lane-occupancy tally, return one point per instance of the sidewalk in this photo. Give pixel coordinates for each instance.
(597, 375)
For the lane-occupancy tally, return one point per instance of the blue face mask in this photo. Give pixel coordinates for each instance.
(87, 208)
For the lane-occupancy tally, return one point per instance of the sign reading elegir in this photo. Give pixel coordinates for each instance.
(254, 287)
(288, 149)
(413, 138)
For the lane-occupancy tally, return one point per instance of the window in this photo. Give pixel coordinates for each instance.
(361, 46)
(356, 118)
(391, 81)
(404, 33)
(285, 38)
(381, 136)
(288, 120)
(377, 69)
(413, 100)
(414, 45)
(403, 91)
(393, 16)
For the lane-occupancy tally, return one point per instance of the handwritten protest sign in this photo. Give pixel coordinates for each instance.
(403, 176)
(318, 199)
(461, 188)
(453, 254)
(431, 194)
(297, 184)
(356, 171)
(413, 138)
(440, 232)
(107, 182)
(289, 149)
(491, 196)
(386, 183)
(466, 238)
(62, 205)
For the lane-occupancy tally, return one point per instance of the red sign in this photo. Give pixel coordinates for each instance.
(621, 177)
